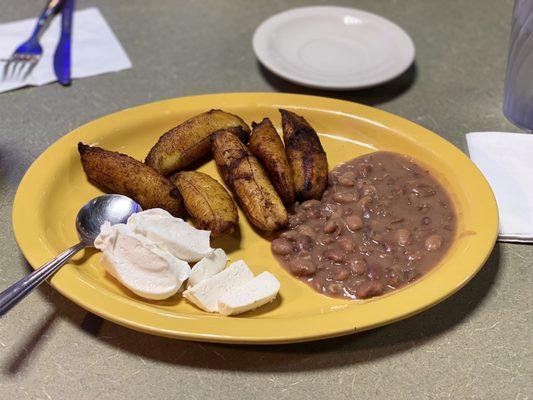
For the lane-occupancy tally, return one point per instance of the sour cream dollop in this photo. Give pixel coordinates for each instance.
(139, 264)
(172, 234)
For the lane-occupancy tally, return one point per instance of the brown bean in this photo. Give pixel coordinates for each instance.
(345, 243)
(313, 213)
(358, 266)
(301, 267)
(433, 242)
(331, 226)
(306, 230)
(354, 222)
(402, 237)
(340, 274)
(369, 289)
(282, 247)
(347, 179)
(305, 255)
(325, 239)
(306, 205)
(344, 197)
(368, 189)
(335, 255)
(337, 214)
(364, 203)
(290, 235)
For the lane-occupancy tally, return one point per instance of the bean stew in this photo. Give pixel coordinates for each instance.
(382, 223)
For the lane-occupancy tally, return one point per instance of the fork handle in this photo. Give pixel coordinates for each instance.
(51, 9)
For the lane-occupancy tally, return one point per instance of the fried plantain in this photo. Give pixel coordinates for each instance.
(266, 145)
(306, 156)
(189, 141)
(206, 200)
(122, 174)
(245, 176)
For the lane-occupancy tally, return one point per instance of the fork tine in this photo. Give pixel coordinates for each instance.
(6, 69)
(25, 62)
(13, 68)
(32, 65)
(16, 67)
(19, 72)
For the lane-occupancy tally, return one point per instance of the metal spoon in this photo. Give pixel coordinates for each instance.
(114, 208)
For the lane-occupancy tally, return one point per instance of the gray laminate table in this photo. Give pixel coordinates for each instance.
(476, 345)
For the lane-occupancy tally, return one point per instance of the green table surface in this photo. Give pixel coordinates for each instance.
(475, 345)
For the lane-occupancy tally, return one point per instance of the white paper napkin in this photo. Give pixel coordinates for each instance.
(506, 160)
(95, 48)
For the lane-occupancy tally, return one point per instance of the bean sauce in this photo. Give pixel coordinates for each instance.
(383, 222)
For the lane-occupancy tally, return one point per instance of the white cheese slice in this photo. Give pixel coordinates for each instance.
(172, 234)
(207, 267)
(253, 294)
(206, 293)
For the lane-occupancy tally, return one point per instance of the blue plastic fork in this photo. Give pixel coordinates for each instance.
(28, 54)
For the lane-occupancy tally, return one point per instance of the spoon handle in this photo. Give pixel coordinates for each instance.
(16, 292)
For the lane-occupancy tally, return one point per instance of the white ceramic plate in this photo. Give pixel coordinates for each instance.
(333, 47)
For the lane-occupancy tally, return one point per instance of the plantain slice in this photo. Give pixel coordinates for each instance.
(243, 173)
(122, 174)
(266, 145)
(207, 202)
(189, 141)
(306, 156)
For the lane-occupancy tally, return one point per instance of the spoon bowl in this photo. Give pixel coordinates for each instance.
(113, 208)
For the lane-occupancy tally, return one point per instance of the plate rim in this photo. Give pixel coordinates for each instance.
(261, 32)
(318, 332)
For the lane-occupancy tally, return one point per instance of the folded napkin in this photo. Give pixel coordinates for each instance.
(95, 49)
(506, 160)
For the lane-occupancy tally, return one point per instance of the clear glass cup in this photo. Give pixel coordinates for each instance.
(518, 94)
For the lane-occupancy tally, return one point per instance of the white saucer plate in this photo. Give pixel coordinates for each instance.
(333, 47)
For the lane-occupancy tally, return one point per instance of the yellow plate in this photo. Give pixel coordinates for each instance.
(55, 187)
